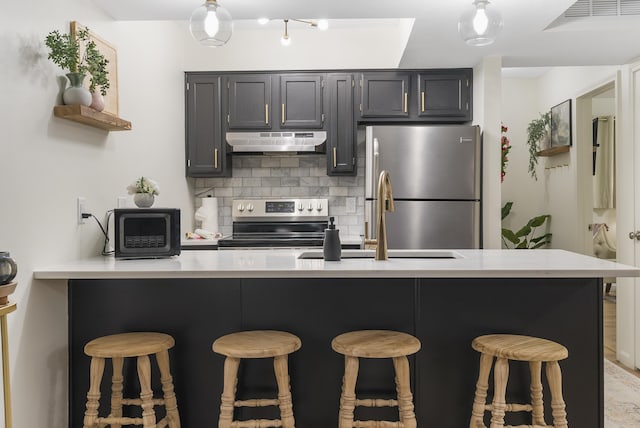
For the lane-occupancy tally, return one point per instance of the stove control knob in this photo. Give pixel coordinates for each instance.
(300, 207)
(310, 207)
(250, 207)
(319, 207)
(240, 207)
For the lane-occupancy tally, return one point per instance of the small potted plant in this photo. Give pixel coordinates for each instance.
(64, 51)
(144, 191)
(537, 139)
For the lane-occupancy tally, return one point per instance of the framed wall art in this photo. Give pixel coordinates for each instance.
(111, 54)
(561, 124)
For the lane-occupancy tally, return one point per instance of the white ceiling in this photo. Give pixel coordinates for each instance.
(525, 40)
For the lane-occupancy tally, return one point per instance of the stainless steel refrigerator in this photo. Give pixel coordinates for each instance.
(435, 175)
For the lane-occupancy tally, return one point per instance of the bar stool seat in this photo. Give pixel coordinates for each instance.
(376, 344)
(256, 344)
(117, 347)
(535, 351)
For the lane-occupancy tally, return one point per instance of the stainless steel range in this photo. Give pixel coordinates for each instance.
(292, 223)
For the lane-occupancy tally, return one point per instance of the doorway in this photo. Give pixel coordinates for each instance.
(597, 174)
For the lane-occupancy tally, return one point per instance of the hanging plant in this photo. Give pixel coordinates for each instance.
(506, 147)
(537, 131)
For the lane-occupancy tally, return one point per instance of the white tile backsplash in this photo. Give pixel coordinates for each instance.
(303, 176)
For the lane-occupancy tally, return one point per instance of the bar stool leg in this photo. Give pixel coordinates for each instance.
(93, 396)
(116, 389)
(405, 397)
(348, 397)
(146, 394)
(480, 400)
(554, 377)
(537, 404)
(228, 392)
(281, 368)
(500, 376)
(170, 402)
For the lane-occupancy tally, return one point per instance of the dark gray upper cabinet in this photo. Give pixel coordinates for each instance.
(422, 96)
(301, 103)
(341, 144)
(445, 93)
(385, 94)
(249, 98)
(205, 147)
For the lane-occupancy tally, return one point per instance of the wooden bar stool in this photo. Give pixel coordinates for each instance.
(376, 344)
(256, 344)
(118, 347)
(505, 347)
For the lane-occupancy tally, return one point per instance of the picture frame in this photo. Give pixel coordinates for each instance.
(111, 54)
(561, 124)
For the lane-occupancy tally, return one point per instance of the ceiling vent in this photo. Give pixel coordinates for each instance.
(593, 8)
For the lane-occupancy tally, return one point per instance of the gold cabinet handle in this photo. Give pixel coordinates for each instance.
(215, 158)
(405, 102)
(335, 157)
(283, 113)
(422, 104)
(266, 114)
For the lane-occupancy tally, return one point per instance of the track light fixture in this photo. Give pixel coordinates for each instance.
(285, 40)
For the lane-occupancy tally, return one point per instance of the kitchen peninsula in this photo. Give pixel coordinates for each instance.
(444, 301)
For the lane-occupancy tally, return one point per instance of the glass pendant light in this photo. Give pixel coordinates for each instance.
(285, 40)
(481, 25)
(211, 24)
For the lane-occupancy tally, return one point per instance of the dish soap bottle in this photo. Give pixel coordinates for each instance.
(331, 245)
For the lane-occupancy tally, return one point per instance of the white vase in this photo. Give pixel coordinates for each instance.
(76, 93)
(143, 200)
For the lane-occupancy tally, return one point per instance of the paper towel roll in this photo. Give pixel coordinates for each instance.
(207, 214)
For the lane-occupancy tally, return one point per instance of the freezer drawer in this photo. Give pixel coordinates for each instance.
(430, 224)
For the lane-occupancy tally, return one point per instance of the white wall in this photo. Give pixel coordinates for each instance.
(47, 162)
(527, 195)
(487, 89)
(556, 191)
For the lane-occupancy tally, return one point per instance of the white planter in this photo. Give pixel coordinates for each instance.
(143, 200)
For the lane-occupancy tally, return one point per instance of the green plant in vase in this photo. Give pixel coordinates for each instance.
(65, 51)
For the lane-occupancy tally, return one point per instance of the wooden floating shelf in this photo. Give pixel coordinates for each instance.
(91, 117)
(552, 151)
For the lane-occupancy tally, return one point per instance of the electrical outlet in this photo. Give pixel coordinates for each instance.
(81, 209)
(121, 202)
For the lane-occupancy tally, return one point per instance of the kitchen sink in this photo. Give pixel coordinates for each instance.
(393, 254)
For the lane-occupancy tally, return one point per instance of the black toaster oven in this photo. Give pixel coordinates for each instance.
(146, 232)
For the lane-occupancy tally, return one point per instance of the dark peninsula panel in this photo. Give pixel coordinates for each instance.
(444, 313)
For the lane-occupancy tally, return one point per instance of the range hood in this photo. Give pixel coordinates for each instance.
(277, 142)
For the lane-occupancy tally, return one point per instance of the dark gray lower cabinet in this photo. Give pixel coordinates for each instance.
(444, 313)
(341, 145)
(206, 154)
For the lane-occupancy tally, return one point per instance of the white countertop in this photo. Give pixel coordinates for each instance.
(284, 263)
